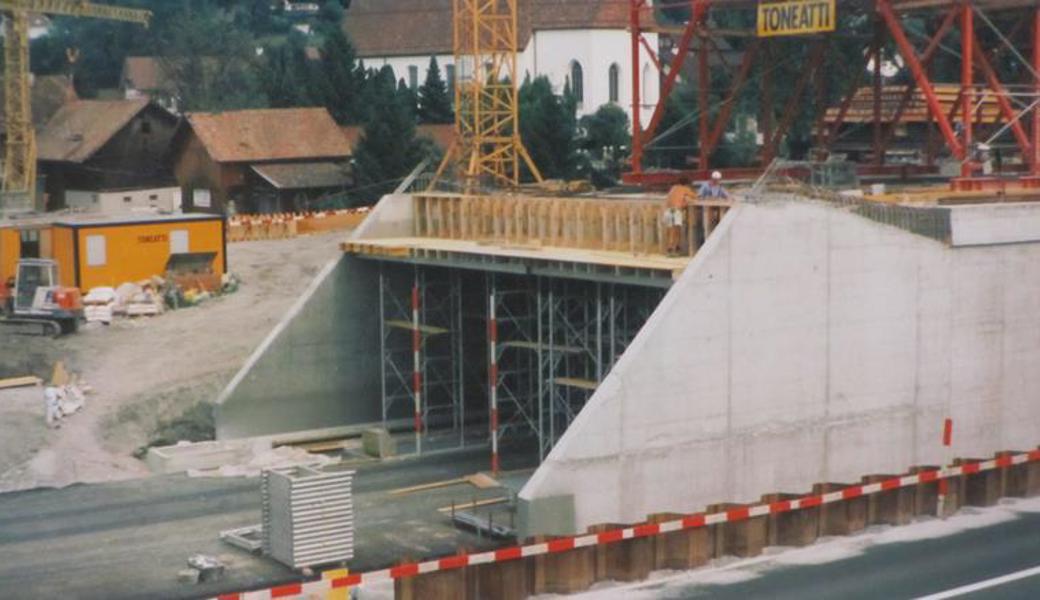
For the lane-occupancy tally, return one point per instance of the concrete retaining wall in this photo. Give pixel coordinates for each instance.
(807, 344)
(319, 367)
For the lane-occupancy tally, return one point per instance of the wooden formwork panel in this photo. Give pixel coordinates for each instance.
(633, 226)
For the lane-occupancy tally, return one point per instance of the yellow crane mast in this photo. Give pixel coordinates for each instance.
(487, 121)
(19, 184)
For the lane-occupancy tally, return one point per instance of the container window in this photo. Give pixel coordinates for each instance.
(96, 251)
(30, 243)
(128, 199)
(179, 242)
(201, 199)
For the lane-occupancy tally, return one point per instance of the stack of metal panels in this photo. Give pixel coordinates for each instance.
(308, 516)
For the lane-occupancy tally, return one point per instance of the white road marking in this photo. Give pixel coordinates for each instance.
(982, 585)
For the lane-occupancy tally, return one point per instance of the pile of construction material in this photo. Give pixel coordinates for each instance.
(152, 297)
(65, 394)
(307, 516)
(230, 458)
(244, 227)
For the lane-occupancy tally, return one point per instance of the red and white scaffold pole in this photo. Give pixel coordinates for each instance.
(493, 376)
(417, 365)
(947, 439)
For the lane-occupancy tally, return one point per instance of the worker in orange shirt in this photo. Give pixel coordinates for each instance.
(675, 214)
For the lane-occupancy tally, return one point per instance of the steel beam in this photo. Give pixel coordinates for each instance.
(700, 8)
(703, 85)
(967, 85)
(635, 34)
(879, 151)
(727, 105)
(1035, 162)
(923, 82)
(794, 101)
(1006, 109)
(926, 60)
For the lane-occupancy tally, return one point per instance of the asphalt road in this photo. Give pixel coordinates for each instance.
(129, 539)
(911, 569)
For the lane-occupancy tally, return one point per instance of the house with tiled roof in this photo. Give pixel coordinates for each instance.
(583, 42)
(92, 146)
(260, 161)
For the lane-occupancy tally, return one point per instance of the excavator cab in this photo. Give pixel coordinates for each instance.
(38, 296)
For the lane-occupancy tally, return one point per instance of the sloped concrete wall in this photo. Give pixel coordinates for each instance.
(319, 367)
(805, 344)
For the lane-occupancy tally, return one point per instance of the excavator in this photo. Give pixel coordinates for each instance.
(35, 304)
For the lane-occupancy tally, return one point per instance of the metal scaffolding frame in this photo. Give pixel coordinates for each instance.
(421, 333)
(551, 342)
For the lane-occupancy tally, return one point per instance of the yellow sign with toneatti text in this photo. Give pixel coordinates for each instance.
(797, 17)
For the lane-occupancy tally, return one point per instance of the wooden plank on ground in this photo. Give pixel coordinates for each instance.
(17, 382)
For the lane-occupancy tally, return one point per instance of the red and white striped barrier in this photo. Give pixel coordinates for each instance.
(733, 515)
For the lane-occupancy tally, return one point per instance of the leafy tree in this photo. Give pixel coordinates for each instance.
(331, 12)
(342, 78)
(604, 140)
(287, 77)
(407, 97)
(388, 149)
(211, 66)
(434, 103)
(605, 132)
(548, 128)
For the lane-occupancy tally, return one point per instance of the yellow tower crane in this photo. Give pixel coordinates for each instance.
(19, 184)
(487, 121)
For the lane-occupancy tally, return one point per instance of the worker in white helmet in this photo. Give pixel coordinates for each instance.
(713, 189)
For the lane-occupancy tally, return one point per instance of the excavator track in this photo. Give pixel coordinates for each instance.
(18, 326)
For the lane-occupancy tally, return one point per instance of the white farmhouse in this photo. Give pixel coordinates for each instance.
(585, 42)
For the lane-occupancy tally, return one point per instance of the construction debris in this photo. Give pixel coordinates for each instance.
(276, 458)
(377, 442)
(250, 539)
(152, 297)
(99, 305)
(208, 567)
(59, 376)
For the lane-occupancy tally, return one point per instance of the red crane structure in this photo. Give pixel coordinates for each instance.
(880, 22)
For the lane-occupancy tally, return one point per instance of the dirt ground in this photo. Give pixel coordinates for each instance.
(145, 371)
